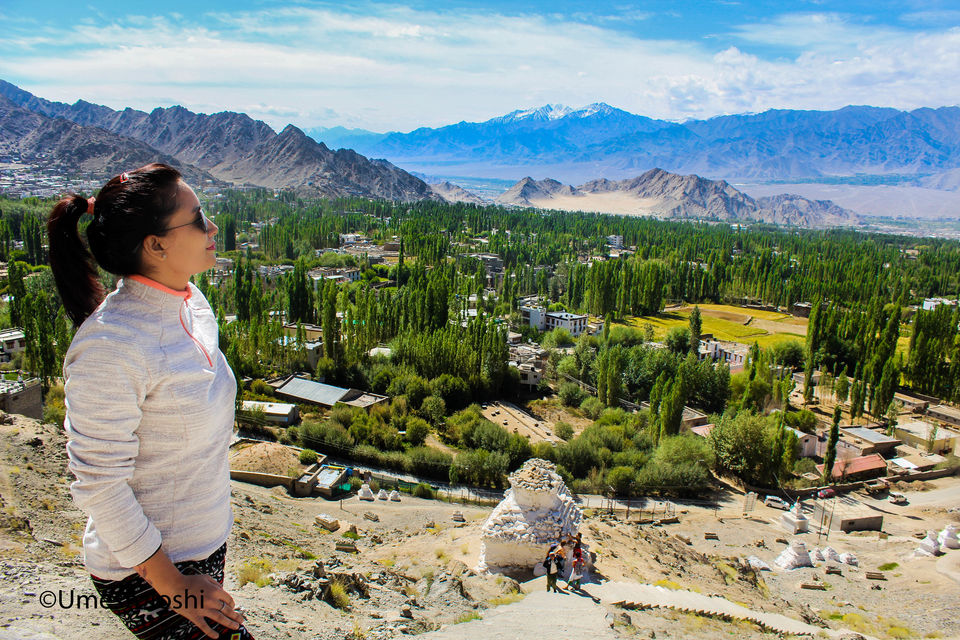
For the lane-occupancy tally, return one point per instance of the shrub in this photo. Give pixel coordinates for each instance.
(592, 407)
(308, 456)
(570, 394)
(261, 388)
(417, 430)
(564, 430)
(423, 490)
(54, 410)
(338, 595)
(254, 571)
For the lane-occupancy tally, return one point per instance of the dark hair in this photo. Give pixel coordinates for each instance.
(128, 208)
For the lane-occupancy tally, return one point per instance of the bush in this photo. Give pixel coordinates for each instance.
(559, 337)
(54, 410)
(423, 490)
(592, 407)
(308, 456)
(570, 394)
(417, 430)
(261, 388)
(338, 595)
(564, 430)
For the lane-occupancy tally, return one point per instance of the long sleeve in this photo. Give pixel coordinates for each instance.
(106, 384)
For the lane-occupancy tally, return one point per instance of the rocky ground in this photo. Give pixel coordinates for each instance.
(411, 572)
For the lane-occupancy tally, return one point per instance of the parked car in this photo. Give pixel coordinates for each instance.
(826, 493)
(898, 498)
(776, 502)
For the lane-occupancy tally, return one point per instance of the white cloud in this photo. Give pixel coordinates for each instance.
(403, 68)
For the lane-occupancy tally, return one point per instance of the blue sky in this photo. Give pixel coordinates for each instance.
(390, 66)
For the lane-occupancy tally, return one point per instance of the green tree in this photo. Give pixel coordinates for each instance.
(831, 455)
(696, 325)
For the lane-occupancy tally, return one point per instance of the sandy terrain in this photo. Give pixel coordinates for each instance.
(616, 203)
(264, 457)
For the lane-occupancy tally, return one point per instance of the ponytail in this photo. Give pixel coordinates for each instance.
(128, 208)
(72, 265)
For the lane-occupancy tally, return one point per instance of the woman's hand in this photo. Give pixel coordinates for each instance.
(195, 597)
(199, 598)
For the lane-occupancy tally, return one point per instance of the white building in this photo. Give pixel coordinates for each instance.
(544, 320)
(615, 242)
(929, 304)
(734, 354)
(12, 341)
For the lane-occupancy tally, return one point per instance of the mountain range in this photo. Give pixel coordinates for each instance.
(227, 146)
(776, 145)
(668, 195)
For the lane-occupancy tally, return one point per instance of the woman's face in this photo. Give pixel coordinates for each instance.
(189, 248)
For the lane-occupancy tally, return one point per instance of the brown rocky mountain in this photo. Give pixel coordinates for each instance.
(528, 191)
(72, 149)
(669, 195)
(455, 193)
(238, 149)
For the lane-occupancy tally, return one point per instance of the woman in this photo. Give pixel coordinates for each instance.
(150, 401)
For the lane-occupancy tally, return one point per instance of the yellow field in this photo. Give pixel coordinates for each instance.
(727, 322)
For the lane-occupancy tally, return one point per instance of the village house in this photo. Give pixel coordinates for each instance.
(866, 441)
(22, 396)
(543, 320)
(927, 436)
(735, 354)
(847, 469)
(945, 413)
(280, 413)
(11, 341)
(306, 391)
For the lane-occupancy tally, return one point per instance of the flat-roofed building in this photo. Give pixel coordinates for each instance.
(304, 390)
(806, 443)
(945, 413)
(22, 396)
(281, 413)
(927, 436)
(870, 441)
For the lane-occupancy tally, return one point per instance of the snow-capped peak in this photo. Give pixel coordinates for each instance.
(546, 112)
(556, 112)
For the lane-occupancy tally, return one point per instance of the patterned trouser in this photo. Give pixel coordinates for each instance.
(146, 614)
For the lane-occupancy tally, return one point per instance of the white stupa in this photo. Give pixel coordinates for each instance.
(794, 556)
(365, 493)
(950, 537)
(536, 511)
(929, 546)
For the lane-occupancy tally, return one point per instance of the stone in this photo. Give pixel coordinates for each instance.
(929, 546)
(326, 521)
(406, 611)
(949, 538)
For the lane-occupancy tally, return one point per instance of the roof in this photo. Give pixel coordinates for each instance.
(270, 408)
(874, 437)
(801, 435)
(316, 392)
(944, 410)
(703, 430)
(921, 429)
(872, 462)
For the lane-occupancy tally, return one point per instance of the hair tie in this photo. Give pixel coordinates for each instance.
(90, 203)
(124, 177)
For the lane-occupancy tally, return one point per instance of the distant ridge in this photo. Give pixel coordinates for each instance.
(663, 194)
(780, 144)
(236, 148)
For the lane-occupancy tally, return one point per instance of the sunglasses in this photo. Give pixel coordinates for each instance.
(201, 222)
